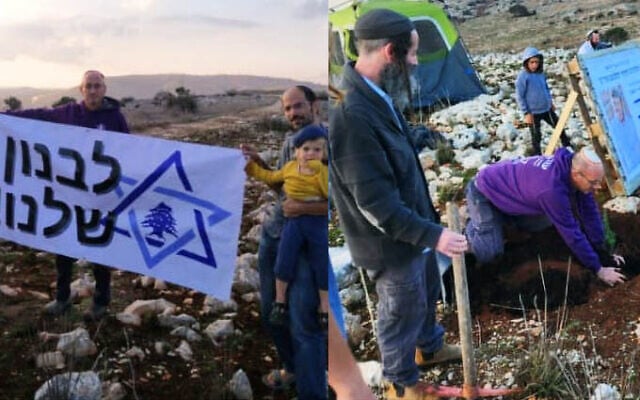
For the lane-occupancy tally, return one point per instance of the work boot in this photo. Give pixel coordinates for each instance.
(94, 313)
(56, 307)
(448, 352)
(416, 392)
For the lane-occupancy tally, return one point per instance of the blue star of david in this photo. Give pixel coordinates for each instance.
(216, 215)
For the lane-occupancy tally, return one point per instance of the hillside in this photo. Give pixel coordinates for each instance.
(488, 26)
(146, 86)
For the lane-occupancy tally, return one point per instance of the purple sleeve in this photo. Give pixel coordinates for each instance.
(591, 219)
(42, 114)
(556, 206)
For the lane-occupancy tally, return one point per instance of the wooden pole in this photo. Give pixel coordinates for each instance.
(469, 388)
(562, 121)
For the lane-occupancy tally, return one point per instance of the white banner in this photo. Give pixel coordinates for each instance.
(167, 209)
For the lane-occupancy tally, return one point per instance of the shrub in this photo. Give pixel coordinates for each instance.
(444, 153)
(520, 11)
(13, 103)
(616, 35)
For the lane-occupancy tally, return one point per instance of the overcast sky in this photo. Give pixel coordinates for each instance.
(50, 43)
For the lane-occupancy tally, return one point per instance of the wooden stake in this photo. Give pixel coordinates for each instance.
(469, 389)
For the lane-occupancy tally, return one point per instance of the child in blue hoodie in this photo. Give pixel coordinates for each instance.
(534, 97)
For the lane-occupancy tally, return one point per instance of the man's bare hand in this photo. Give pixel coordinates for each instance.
(451, 243)
(249, 152)
(528, 119)
(611, 275)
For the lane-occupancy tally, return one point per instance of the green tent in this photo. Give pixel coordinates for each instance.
(444, 73)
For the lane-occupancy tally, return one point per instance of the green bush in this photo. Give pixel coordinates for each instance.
(13, 103)
(616, 35)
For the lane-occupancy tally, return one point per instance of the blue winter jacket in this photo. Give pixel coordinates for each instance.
(532, 91)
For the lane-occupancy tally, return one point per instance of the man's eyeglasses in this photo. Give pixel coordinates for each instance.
(592, 182)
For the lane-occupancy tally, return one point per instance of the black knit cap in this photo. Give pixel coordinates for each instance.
(382, 24)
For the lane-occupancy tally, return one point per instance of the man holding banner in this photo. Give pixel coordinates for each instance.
(302, 345)
(96, 111)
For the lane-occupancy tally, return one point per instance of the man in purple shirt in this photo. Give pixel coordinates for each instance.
(96, 111)
(532, 193)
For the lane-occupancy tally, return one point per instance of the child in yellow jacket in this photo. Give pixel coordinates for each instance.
(305, 179)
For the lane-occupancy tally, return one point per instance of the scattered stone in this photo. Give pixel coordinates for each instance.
(50, 360)
(76, 385)
(184, 351)
(240, 386)
(9, 291)
(76, 343)
(135, 352)
(187, 333)
(115, 391)
(219, 329)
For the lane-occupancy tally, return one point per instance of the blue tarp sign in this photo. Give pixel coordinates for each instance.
(613, 76)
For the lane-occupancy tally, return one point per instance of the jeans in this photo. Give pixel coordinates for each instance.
(407, 316)
(302, 347)
(102, 274)
(484, 229)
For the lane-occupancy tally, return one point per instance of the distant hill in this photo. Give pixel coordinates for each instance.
(146, 86)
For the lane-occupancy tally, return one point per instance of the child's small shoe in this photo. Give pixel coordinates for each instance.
(323, 320)
(278, 316)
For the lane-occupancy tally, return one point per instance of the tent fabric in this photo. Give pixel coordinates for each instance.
(444, 74)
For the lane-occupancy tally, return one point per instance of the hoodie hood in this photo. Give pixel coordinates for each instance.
(532, 52)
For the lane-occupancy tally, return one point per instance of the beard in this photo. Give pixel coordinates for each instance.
(394, 80)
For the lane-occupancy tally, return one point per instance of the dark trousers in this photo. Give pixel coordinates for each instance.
(102, 274)
(550, 118)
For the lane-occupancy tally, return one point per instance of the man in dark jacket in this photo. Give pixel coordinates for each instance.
(382, 198)
(96, 111)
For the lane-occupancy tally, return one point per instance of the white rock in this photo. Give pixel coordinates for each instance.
(49, 360)
(219, 329)
(351, 296)
(135, 352)
(184, 351)
(246, 278)
(605, 392)
(355, 331)
(155, 306)
(371, 372)
(187, 333)
(240, 386)
(623, 204)
(215, 306)
(116, 391)
(76, 343)
(9, 291)
(173, 321)
(76, 385)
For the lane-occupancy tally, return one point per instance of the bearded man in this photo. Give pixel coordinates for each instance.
(383, 202)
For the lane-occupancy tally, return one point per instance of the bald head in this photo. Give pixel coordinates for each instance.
(93, 89)
(587, 170)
